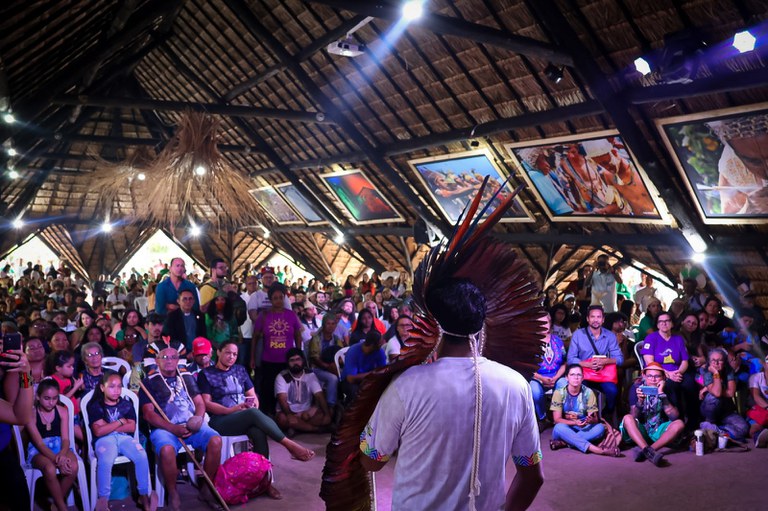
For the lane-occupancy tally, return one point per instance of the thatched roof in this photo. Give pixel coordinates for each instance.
(100, 80)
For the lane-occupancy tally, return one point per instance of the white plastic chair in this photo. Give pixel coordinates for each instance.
(339, 357)
(117, 364)
(142, 305)
(638, 347)
(32, 474)
(159, 487)
(89, 437)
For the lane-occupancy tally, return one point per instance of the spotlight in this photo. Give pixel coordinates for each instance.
(18, 223)
(106, 227)
(699, 257)
(643, 66)
(200, 170)
(266, 235)
(744, 41)
(9, 118)
(12, 152)
(554, 73)
(13, 174)
(413, 9)
(195, 230)
(339, 239)
(696, 242)
(141, 176)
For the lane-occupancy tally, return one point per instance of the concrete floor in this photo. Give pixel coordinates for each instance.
(574, 481)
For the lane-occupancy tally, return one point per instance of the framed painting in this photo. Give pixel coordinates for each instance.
(588, 178)
(300, 204)
(722, 156)
(453, 179)
(360, 197)
(275, 206)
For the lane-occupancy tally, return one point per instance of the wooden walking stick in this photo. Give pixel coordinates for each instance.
(186, 448)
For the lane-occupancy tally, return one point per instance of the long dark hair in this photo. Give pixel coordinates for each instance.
(124, 322)
(57, 359)
(98, 394)
(359, 325)
(228, 311)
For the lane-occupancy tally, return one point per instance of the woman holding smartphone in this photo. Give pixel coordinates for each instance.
(233, 406)
(574, 410)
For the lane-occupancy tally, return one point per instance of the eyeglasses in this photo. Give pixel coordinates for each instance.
(91, 355)
(664, 321)
(718, 360)
(576, 375)
(168, 357)
(653, 376)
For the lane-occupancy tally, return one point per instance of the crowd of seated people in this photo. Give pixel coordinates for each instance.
(195, 345)
(661, 373)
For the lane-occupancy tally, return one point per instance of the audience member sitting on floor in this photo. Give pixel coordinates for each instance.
(392, 347)
(551, 369)
(594, 340)
(178, 396)
(233, 406)
(669, 351)
(51, 444)
(653, 421)
(300, 399)
(363, 325)
(113, 422)
(758, 414)
(574, 410)
(361, 359)
(717, 407)
(322, 349)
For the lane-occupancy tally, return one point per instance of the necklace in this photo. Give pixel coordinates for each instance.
(45, 420)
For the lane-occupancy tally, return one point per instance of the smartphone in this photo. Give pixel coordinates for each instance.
(649, 390)
(11, 342)
(250, 400)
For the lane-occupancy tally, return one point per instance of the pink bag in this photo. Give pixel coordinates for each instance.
(243, 477)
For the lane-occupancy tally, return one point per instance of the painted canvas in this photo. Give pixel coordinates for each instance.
(365, 204)
(275, 206)
(299, 203)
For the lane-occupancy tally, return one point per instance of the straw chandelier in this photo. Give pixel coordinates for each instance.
(189, 172)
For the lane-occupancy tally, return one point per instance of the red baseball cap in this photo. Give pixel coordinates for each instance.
(201, 346)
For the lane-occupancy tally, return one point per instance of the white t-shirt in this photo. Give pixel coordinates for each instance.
(394, 274)
(300, 391)
(392, 347)
(427, 415)
(260, 301)
(757, 381)
(246, 329)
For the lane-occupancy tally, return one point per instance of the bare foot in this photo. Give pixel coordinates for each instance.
(297, 451)
(148, 502)
(102, 504)
(174, 501)
(274, 493)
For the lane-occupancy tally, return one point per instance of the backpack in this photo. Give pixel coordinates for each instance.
(242, 477)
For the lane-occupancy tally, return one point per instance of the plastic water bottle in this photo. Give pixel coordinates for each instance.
(699, 442)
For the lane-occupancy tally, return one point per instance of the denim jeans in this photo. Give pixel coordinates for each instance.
(539, 396)
(577, 437)
(330, 383)
(107, 449)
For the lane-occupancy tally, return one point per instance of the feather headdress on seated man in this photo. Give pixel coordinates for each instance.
(512, 335)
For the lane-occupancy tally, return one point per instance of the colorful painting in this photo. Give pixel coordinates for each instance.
(365, 204)
(275, 206)
(453, 180)
(723, 158)
(588, 178)
(299, 203)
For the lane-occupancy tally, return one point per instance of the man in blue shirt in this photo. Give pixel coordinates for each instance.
(167, 292)
(361, 359)
(596, 340)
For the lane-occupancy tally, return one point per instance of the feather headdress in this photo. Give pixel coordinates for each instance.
(513, 335)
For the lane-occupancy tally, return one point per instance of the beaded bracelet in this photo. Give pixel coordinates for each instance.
(25, 380)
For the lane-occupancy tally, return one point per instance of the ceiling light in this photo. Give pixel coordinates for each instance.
(695, 240)
(9, 118)
(554, 73)
(13, 174)
(195, 230)
(643, 66)
(18, 223)
(339, 239)
(699, 257)
(11, 151)
(200, 170)
(346, 48)
(266, 234)
(141, 176)
(413, 9)
(744, 41)
(106, 227)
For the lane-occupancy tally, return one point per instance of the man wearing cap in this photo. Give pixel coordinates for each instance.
(167, 291)
(201, 355)
(259, 301)
(218, 280)
(177, 394)
(653, 422)
(184, 324)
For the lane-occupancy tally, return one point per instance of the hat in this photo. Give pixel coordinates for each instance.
(268, 269)
(653, 365)
(201, 346)
(569, 296)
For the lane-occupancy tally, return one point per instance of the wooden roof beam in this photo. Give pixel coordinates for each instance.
(718, 84)
(456, 27)
(134, 141)
(210, 108)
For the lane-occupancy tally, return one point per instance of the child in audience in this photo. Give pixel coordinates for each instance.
(113, 421)
(60, 366)
(50, 446)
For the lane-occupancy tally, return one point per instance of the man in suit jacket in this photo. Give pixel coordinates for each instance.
(185, 324)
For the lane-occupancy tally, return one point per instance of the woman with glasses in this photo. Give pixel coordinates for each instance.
(717, 407)
(669, 351)
(92, 355)
(574, 410)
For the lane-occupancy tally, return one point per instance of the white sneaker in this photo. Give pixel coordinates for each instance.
(762, 439)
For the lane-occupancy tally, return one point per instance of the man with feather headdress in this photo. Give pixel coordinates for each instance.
(454, 422)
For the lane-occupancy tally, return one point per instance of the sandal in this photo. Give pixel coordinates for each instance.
(654, 456)
(614, 452)
(557, 444)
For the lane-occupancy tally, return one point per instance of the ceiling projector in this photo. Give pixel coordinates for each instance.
(346, 48)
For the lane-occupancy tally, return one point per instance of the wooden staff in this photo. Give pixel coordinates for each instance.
(186, 447)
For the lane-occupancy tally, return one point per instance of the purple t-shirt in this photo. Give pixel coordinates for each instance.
(278, 329)
(670, 354)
